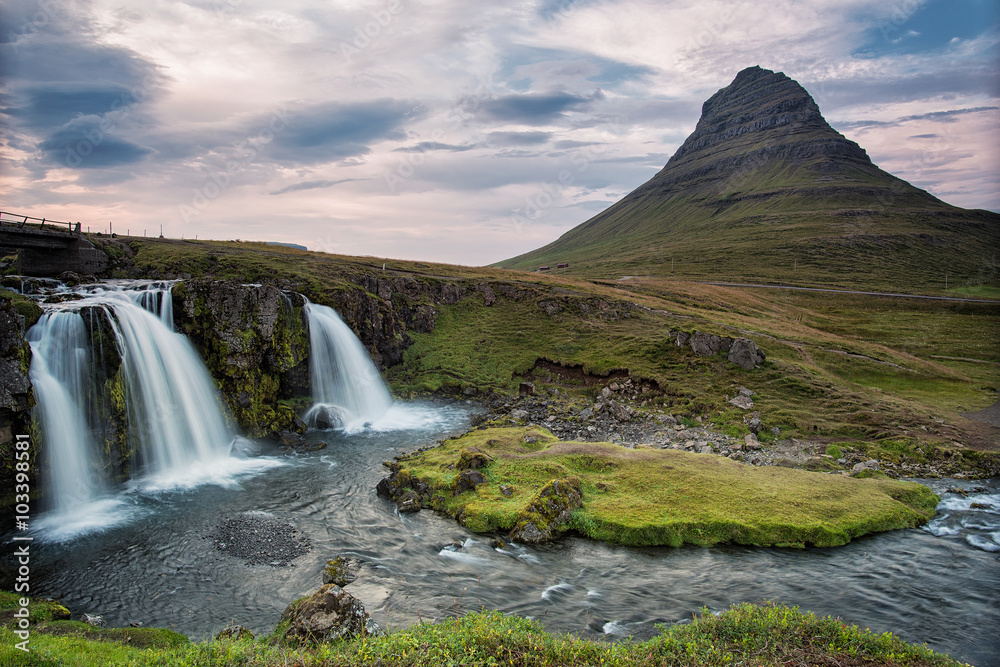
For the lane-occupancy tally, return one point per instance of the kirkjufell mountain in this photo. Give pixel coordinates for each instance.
(765, 189)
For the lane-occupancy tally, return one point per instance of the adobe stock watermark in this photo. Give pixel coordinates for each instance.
(47, 10)
(22, 554)
(111, 120)
(246, 152)
(223, 7)
(901, 12)
(711, 31)
(538, 204)
(366, 35)
(457, 114)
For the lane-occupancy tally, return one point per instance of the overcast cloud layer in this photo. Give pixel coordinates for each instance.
(451, 131)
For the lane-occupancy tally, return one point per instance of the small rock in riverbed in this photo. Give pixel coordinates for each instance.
(95, 620)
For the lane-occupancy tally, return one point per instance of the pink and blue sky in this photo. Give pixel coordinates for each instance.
(438, 129)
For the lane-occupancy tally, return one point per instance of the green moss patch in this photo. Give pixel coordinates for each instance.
(661, 497)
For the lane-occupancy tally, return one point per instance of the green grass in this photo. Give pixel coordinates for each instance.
(767, 635)
(664, 497)
(821, 379)
(977, 291)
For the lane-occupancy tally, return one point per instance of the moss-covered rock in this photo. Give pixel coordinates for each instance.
(340, 571)
(39, 609)
(329, 614)
(254, 341)
(548, 514)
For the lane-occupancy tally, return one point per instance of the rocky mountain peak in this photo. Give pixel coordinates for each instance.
(764, 110)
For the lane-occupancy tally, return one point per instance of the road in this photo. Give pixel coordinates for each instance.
(842, 291)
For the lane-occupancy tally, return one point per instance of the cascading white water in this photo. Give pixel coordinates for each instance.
(60, 359)
(348, 391)
(175, 420)
(174, 412)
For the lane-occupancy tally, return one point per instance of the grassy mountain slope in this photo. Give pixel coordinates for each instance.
(765, 189)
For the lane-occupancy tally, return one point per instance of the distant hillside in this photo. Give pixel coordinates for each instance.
(765, 189)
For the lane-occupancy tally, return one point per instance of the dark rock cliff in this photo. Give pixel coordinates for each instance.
(254, 341)
(16, 398)
(761, 116)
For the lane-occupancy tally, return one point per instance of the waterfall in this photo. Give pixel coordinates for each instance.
(176, 425)
(348, 391)
(60, 365)
(174, 413)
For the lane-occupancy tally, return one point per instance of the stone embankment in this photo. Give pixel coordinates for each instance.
(615, 417)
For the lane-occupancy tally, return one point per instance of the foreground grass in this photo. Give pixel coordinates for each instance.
(663, 497)
(765, 635)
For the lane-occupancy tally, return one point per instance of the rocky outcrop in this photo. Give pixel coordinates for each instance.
(329, 614)
(741, 351)
(17, 315)
(706, 344)
(254, 340)
(744, 353)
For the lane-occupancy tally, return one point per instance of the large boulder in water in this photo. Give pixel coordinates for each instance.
(325, 416)
(329, 614)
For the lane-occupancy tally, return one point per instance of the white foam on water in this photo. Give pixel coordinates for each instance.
(983, 542)
(95, 516)
(940, 528)
(558, 589)
(462, 557)
(616, 628)
(973, 517)
(223, 471)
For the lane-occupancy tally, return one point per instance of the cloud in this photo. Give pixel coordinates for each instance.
(55, 104)
(519, 138)
(88, 142)
(942, 116)
(313, 185)
(333, 131)
(425, 146)
(536, 109)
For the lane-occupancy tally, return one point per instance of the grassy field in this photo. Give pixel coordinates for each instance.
(839, 365)
(763, 635)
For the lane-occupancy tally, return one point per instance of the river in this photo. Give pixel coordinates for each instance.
(159, 563)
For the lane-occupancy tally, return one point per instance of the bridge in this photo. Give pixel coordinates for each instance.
(48, 247)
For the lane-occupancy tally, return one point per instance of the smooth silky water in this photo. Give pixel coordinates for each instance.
(165, 570)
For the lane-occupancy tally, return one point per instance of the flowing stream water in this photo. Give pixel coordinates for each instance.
(157, 557)
(167, 570)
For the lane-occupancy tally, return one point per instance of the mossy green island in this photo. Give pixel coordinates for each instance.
(648, 497)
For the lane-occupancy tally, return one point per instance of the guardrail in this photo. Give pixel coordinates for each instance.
(71, 227)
